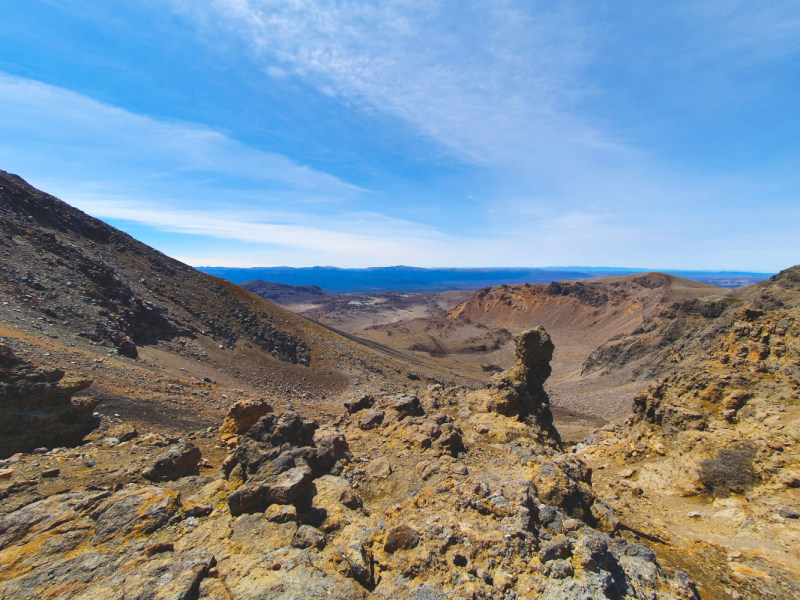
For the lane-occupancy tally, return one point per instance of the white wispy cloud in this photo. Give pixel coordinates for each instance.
(186, 178)
(57, 122)
(490, 81)
(348, 234)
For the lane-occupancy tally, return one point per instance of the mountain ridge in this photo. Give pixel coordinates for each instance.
(418, 279)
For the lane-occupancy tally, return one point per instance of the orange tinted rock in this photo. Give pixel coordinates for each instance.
(243, 415)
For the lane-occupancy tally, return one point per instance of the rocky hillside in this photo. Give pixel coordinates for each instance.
(721, 430)
(580, 316)
(579, 313)
(683, 329)
(68, 277)
(282, 294)
(592, 310)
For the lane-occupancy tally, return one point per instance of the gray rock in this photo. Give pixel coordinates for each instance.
(355, 562)
(270, 488)
(362, 403)
(559, 548)
(142, 511)
(380, 468)
(308, 537)
(350, 499)
(559, 569)
(407, 405)
(371, 420)
(175, 463)
(281, 513)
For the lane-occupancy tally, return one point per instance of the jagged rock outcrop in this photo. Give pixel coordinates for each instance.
(277, 460)
(37, 407)
(470, 517)
(719, 407)
(520, 390)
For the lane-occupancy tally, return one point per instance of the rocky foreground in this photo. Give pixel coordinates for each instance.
(440, 494)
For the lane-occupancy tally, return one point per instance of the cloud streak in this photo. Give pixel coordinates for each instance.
(346, 235)
(60, 122)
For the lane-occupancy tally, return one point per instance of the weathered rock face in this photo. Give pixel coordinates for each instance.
(97, 538)
(37, 407)
(724, 425)
(243, 415)
(520, 390)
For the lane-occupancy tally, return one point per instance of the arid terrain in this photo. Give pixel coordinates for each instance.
(478, 328)
(167, 434)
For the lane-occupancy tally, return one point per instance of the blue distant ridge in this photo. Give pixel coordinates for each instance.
(415, 279)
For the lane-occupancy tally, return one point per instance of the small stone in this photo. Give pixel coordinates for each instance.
(89, 463)
(560, 569)
(40, 451)
(560, 548)
(605, 517)
(280, 513)
(176, 463)
(401, 537)
(362, 403)
(308, 537)
(379, 468)
(459, 469)
(371, 419)
(6, 474)
(789, 513)
(351, 500)
(51, 473)
(158, 548)
(694, 515)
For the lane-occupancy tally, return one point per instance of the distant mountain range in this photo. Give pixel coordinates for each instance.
(415, 279)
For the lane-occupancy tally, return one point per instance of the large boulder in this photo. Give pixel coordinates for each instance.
(175, 463)
(243, 415)
(271, 486)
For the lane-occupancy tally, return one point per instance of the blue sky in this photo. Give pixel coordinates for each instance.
(463, 133)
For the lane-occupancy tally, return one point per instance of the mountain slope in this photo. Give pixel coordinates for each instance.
(282, 294)
(716, 437)
(71, 277)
